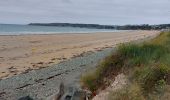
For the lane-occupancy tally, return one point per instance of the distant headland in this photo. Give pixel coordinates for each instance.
(98, 26)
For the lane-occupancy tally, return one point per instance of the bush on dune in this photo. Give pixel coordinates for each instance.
(147, 66)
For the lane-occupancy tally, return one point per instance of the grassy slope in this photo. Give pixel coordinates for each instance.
(146, 64)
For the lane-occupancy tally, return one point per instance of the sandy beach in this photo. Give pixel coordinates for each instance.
(26, 52)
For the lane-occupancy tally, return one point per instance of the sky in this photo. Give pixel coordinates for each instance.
(109, 12)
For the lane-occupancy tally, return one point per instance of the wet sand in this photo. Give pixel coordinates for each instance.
(25, 52)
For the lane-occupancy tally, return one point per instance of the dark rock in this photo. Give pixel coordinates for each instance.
(26, 98)
(72, 93)
(79, 95)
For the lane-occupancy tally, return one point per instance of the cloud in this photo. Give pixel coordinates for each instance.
(66, 1)
(85, 11)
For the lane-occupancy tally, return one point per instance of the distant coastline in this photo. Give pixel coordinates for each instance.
(98, 26)
(14, 29)
(57, 28)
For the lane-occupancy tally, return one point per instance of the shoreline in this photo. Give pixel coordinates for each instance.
(58, 33)
(29, 52)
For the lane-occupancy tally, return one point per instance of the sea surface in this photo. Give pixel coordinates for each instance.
(9, 29)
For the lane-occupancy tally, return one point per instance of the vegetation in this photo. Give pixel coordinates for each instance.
(147, 65)
(97, 26)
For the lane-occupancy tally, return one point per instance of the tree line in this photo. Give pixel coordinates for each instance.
(117, 27)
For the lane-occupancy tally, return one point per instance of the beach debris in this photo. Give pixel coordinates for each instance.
(53, 59)
(12, 69)
(64, 58)
(71, 93)
(50, 62)
(34, 41)
(27, 70)
(41, 63)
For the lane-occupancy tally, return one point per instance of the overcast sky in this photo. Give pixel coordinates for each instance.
(85, 11)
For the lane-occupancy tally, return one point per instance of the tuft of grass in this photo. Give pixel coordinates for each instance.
(149, 77)
(131, 92)
(142, 54)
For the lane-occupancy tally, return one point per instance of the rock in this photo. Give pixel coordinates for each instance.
(72, 93)
(26, 98)
(77, 94)
(69, 93)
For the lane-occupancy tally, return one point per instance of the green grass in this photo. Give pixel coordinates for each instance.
(106, 70)
(146, 64)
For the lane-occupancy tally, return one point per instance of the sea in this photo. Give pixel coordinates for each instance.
(11, 29)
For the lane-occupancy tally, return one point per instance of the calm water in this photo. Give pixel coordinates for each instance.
(27, 29)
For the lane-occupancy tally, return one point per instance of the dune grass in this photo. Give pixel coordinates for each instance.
(146, 64)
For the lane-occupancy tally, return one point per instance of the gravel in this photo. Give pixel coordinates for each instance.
(42, 83)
